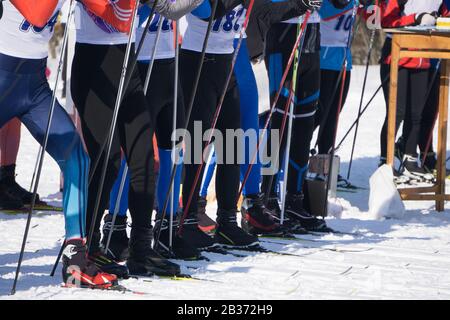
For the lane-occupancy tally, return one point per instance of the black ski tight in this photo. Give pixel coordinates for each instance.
(429, 113)
(160, 99)
(95, 78)
(412, 89)
(216, 67)
(326, 117)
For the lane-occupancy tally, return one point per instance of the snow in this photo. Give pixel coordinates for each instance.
(399, 259)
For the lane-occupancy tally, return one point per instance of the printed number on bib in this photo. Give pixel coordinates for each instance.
(229, 22)
(344, 22)
(167, 24)
(26, 26)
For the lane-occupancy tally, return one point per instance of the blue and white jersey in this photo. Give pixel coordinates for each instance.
(166, 44)
(18, 38)
(335, 27)
(93, 30)
(222, 35)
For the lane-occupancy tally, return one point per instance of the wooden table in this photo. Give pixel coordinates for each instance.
(426, 44)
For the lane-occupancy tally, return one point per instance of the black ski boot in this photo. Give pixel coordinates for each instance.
(399, 149)
(430, 162)
(78, 271)
(181, 249)
(289, 226)
(229, 235)
(412, 170)
(8, 201)
(191, 233)
(118, 246)
(256, 218)
(102, 261)
(295, 211)
(205, 223)
(9, 186)
(143, 260)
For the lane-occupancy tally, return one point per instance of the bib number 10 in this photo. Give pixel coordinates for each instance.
(229, 22)
(344, 22)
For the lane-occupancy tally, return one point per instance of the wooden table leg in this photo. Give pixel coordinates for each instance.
(392, 110)
(442, 133)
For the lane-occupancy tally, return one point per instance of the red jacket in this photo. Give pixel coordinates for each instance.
(118, 14)
(36, 12)
(392, 17)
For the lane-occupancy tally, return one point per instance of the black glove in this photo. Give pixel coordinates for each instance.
(311, 4)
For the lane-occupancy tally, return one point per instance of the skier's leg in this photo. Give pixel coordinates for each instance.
(228, 233)
(65, 146)
(205, 104)
(401, 104)
(209, 173)
(12, 195)
(9, 143)
(418, 87)
(429, 116)
(326, 133)
(280, 41)
(248, 92)
(256, 217)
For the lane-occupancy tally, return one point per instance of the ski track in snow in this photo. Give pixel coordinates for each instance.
(400, 259)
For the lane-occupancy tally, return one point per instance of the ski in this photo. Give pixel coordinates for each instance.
(38, 207)
(181, 277)
(117, 287)
(261, 249)
(340, 250)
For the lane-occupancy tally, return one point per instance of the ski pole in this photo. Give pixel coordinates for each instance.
(290, 101)
(125, 170)
(217, 113)
(341, 101)
(174, 128)
(112, 128)
(188, 114)
(127, 81)
(275, 101)
(361, 101)
(44, 147)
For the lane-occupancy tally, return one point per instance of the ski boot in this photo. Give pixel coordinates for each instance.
(412, 170)
(229, 235)
(399, 152)
(295, 211)
(78, 271)
(256, 218)
(9, 186)
(118, 246)
(180, 249)
(102, 261)
(8, 201)
(430, 162)
(205, 223)
(191, 233)
(289, 226)
(143, 260)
